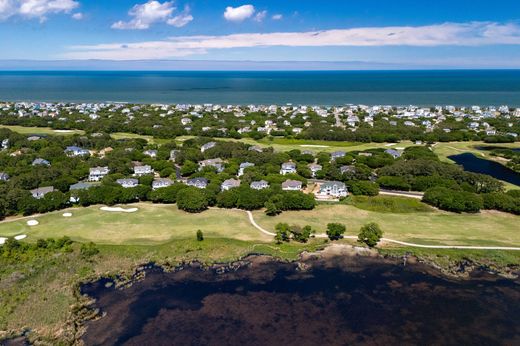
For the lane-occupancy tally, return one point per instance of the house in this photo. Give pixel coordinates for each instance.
(259, 185)
(151, 153)
(288, 168)
(142, 170)
(200, 183)
(4, 176)
(217, 163)
(161, 182)
(332, 188)
(41, 191)
(336, 155)
(314, 168)
(40, 161)
(348, 169)
(229, 184)
(207, 146)
(98, 173)
(395, 154)
(127, 182)
(292, 185)
(243, 166)
(76, 151)
(33, 138)
(74, 198)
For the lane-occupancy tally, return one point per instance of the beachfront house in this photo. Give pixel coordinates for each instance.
(259, 185)
(150, 153)
(4, 176)
(200, 183)
(41, 191)
(337, 155)
(292, 185)
(142, 170)
(40, 162)
(243, 166)
(335, 189)
(73, 151)
(161, 182)
(98, 173)
(314, 168)
(288, 168)
(127, 182)
(207, 146)
(348, 169)
(230, 184)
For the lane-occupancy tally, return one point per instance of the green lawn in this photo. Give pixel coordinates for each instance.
(151, 224)
(429, 228)
(41, 130)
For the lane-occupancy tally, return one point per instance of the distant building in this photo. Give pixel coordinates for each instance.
(207, 146)
(337, 154)
(230, 184)
(127, 182)
(395, 154)
(76, 151)
(288, 168)
(291, 185)
(40, 162)
(4, 176)
(217, 163)
(200, 183)
(73, 189)
(98, 173)
(150, 153)
(161, 182)
(41, 191)
(259, 185)
(142, 170)
(333, 188)
(243, 166)
(314, 168)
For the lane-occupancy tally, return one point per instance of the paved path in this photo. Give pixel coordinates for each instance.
(418, 195)
(387, 240)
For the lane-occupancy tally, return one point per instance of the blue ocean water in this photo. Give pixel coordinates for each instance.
(427, 88)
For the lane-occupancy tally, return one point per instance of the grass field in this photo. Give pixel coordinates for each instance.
(389, 204)
(429, 228)
(454, 148)
(151, 224)
(44, 131)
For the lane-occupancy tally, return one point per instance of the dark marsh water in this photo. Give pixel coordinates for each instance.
(475, 164)
(339, 301)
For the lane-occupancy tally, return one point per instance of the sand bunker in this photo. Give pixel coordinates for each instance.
(20, 237)
(67, 214)
(2, 240)
(63, 131)
(32, 223)
(119, 209)
(314, 146)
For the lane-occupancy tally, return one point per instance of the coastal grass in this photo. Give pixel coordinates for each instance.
(152, 224)
(489, 228)
(389, 204)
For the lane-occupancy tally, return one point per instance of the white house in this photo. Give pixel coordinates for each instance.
(41, 191)
(291, 185)
(161, 182)
(127, 183)
(151, 153)
(200, 183)
(336, 155)
(229, 184)
(243, 166)
(314, 168)
(142, 170)
(217, 163)
(98, 173)
(76, 151)
(332, 188)
(259, 185)
(207, 146)
(288, 168)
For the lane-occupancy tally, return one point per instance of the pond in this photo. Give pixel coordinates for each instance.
(337, 301)
(472, 163)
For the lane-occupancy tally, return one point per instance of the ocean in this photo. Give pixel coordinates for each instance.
(424, 88)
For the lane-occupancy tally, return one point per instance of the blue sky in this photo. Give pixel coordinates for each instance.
(399, 33)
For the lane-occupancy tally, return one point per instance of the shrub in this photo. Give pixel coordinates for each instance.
(394, 183)
(456, 201)
(200, 235)
(370, 234)
(192, 200)
(335, 231)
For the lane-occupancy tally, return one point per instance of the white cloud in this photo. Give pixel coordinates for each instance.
(77, 16)
(35, 8)
(454, 34)
(277, 17)
(144, 15)
(239, 14)
(260, 16)
(181, 19)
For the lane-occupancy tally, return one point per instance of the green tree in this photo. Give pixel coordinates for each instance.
(200, 235)
(282, 233)
(192, 200)
(370, 234)
(88, 250)
(271, 209)
(335, 231)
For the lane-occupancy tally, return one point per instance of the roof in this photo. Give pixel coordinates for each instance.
(127, 181)
(291, 183)
(231, 182)
(329, 184)
(42, 190)
(259, 183)
(197, 180)
(80, 186)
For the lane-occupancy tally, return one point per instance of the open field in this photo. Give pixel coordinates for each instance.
(427, 228)
(44, 131)
(151, 224)
(454, 148)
